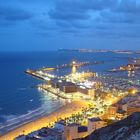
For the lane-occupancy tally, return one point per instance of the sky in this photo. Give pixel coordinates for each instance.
(39, 25)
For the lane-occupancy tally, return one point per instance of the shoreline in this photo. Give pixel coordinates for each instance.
(63, 112)
(20, 121)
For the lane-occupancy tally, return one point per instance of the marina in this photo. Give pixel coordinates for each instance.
(99, 90)
(134, 66)
(70, 70)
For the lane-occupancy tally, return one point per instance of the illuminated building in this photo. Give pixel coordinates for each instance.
(94, 124)
(121, 114)
(132, 109)
(137, 61)
(60, 125)
(71, 131)
(54, 83)
(73, 69)
(132, 91)
(87, 91)
(67, 87)
(73, 63)
(75, 131)
(111, 113)
(112, 110)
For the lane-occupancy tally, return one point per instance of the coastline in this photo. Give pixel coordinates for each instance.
(63, 112)
(24, 119)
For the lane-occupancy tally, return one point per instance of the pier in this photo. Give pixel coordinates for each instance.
(73, 64)
(41, 73)
(34, 74)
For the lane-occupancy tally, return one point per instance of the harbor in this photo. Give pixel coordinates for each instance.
(131, 67)
(70, 70)
(85, 91)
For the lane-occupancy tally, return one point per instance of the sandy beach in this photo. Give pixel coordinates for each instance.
(64, 112)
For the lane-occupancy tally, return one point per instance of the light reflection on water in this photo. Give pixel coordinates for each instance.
(18, 98)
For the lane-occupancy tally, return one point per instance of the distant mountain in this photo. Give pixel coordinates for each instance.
(127, 129)
(100, 50)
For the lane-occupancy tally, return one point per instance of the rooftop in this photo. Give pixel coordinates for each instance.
(73, 124)
(94, 119)
(62, 122)
(82, 129)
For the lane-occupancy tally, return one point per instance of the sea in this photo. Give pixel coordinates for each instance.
(21, 101)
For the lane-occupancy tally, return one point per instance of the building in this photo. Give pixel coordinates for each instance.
(112, 110)
(124, 107)
(137, 61)
(60, 125)
(50, 134)
(110, 113)
(71, 131)
(21, 137)
(129, 103)
(43, 134)
(54, 83)
(94, 124)
(65, 131)
(121, 114)
(75, 131)
(87, 91)
(67, 87)
(132, 109)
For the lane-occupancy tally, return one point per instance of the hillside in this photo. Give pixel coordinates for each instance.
(127, 129)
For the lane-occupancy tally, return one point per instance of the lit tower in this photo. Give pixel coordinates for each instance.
(74, 64)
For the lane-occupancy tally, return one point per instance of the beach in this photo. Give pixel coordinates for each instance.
(64, 112)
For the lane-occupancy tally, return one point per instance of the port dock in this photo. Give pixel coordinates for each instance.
(73, 64)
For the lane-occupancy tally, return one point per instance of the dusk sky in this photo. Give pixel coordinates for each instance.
(39, 25)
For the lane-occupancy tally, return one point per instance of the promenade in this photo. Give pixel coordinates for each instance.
(64, 112)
